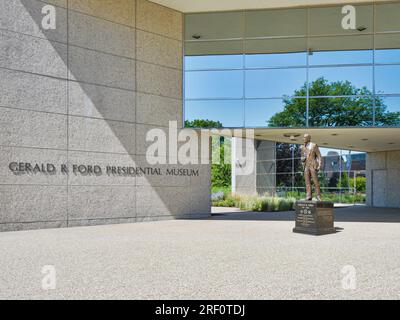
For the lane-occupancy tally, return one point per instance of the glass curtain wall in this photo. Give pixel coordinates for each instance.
(294, 67)
(342, 177)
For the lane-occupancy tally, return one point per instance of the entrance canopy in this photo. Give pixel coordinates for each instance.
(357, 139)
(225, 5)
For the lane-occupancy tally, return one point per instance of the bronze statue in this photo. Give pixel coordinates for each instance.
(312, 162)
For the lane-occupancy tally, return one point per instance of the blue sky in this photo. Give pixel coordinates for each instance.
(223, 92)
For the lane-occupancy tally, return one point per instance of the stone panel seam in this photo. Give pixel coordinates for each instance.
(101, 218)
(92, 83)
(33, 36)
(101, 18)
(30, 222)
(103, 52)
(68, 102)
(55, 5)
(159, 34)
(71, 185)
(136, 101)
(125, 25)
(163, 6)
(36, 74)
(96, 50)
(71, 150)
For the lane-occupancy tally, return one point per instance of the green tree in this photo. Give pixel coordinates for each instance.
(354, 110)
(200, 123)
(220, 173)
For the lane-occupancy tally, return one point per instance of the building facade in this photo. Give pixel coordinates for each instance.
(83, 82)
(76, 103)
(331, 70)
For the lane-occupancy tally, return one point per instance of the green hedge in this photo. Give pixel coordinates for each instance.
(255, 203)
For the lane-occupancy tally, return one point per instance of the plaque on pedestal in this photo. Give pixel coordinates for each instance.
(314, 217)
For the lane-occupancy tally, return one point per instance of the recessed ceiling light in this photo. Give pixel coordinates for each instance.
(292, 136)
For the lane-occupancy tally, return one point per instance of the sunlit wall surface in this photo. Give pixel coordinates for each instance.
(294, 67)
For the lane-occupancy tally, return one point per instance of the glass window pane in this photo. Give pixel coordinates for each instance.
(387, 111)
(214, 62)
(227, 47)
(328, 21)
(335, 81)
(285, 150)
(284, 166)
(387, 48)
(275, 53)
(354, 161)
(254, 61)
(228, 112)
(341, 112)
(268, 23)
(387, 17)
(215, 25)
(387, 79)
(213, 84)
(341, 50)
(276, 45)
(276, 113)
(275, 83)
(284, 180)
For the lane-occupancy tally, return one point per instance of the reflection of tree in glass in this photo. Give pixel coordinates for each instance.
(355, 110)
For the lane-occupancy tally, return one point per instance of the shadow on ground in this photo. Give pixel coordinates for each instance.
(348, 214)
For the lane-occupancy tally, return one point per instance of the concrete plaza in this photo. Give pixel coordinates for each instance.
(229, 256)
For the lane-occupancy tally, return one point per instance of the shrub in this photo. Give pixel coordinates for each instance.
(360, 183)
(256, 203)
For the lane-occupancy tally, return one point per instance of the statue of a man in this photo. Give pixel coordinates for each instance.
(312, 162)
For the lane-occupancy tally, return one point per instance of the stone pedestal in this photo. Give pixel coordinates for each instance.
(314, 217)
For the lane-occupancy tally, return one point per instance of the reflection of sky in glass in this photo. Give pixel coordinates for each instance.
(392, 103)
(258, 112)
(340, 57)
(387, 56)
(214, 62)
(276, 60)
(214, 84)
(387, 79)
(275, 82)
(228, 112)
(358, 76)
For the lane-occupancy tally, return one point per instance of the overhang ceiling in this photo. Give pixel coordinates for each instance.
(226, 5)
(357, 139)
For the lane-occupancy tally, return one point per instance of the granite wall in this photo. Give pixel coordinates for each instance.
(86, 94)
(383, 176)
(262, 179)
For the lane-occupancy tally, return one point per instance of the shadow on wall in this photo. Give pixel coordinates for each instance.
(102, 109)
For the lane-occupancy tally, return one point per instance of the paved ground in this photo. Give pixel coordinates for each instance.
(231, 256)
